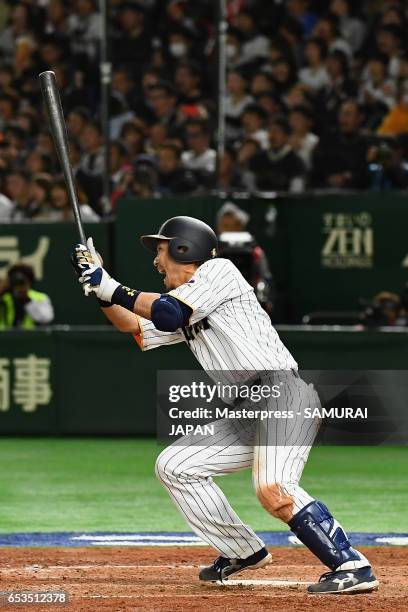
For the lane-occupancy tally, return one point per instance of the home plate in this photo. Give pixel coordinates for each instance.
(272, 583)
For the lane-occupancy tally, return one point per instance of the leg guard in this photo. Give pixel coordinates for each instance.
(323, 536)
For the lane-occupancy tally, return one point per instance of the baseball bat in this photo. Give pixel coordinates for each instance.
(58, 129)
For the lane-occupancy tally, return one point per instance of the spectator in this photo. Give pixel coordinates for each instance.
(262, 82)
(8, 109)
(37, 163)
(56, 18)
(396, 120)
(138, 181)
(199, 157)
(77, 119)
(188, 81)
(40, 205)
(340, 158)
(132, 43)
(278, 168)
(21, 307)
(119, 115)
(386, 166)
(314, 74)
(158, 134)
(7, 85)
(61, 208)
(246, 151)
(173, 179)
(118, 161)
(255, 46)
(52, 51)
(17, 188)
(233, 48)
(84, 31)
(338, 89)
(92, 162)
(284, 75)
(180, 44)
(163, 101)
(123, 86)
(300, 11)
(302, 140)
(351, 28)
(378, 92)
(17, 40)
(253, 122)
(272, 104)
(132, 135)
(390, 44)
(6, 208)
(236, 101)
(327, 28)
(229, 178)
(298, 95)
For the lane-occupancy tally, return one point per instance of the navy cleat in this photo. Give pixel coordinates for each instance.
(223, 568)
(360, 580)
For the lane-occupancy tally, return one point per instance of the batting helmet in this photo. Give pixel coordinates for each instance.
(189, 239)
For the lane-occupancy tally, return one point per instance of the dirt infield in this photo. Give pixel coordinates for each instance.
(166, 579)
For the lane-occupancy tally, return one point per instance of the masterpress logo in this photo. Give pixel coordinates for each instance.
(348, 240)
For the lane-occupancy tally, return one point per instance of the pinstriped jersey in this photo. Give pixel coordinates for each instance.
(228, 329)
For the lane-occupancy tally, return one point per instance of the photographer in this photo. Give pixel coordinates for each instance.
(21, 307)
(238, 245)
(385, 309)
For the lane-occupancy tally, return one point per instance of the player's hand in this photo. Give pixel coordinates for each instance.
(96, 280)
(84, 257)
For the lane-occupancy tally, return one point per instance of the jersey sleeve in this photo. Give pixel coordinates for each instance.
(215, 282)
(150, 337)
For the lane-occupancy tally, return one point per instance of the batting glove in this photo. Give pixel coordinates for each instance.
(97, 280)
(84, 257)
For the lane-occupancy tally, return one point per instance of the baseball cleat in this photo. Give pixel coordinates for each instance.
(223, 568)
(361, 580)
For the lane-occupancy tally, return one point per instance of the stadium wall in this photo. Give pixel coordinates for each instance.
(325, 251)
(46, 389)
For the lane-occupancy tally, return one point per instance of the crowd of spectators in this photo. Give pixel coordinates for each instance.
(317, 98)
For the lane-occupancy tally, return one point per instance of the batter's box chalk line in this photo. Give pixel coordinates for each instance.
(176, 538)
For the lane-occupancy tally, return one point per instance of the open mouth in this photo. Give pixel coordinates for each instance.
(163, 272)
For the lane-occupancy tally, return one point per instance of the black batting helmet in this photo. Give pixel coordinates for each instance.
(190, 239)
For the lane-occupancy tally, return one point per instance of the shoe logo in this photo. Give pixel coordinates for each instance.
(343, 581)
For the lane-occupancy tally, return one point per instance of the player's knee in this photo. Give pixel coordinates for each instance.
(168, 471)
(160, 467)
(276, 500)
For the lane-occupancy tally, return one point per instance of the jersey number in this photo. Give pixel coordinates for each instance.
(192, 331)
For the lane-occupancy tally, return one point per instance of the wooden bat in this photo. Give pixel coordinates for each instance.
(58, 129)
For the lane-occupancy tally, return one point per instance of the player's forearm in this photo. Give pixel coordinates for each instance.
(143, 304)
(122, 319)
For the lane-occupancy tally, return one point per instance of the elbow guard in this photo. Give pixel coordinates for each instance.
(168, 314)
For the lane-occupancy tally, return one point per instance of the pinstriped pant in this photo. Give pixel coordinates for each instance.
(276, 449)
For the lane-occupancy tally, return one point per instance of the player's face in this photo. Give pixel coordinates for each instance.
(175, 274)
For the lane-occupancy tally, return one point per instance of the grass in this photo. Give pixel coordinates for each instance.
(84, 484)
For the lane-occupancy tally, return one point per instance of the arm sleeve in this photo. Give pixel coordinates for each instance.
(214, 282)
(150, 337)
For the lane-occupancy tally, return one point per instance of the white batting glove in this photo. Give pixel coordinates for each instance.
(97, 280)
(96, 258)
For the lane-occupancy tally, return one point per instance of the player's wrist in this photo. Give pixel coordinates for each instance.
(125, 297)
(104, 303)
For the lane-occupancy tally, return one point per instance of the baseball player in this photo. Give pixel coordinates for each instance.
(210, 307)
